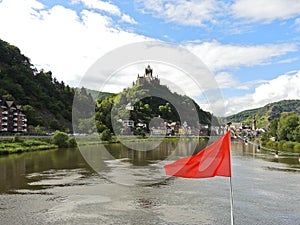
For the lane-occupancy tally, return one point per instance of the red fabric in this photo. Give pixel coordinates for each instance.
(212, 161)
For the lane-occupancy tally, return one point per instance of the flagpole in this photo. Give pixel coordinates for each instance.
(231, 202)
(231, 191)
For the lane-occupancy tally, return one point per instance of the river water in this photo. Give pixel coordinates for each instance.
(60, 187)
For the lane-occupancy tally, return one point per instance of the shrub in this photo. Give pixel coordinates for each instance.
(106, 135)
(72, 142)
(30, 143)
(60, 139)
(275, 144)
(297, 147)
(280, 145)
(289, 145)
(268, 144)
(17, 138)
(139, 131)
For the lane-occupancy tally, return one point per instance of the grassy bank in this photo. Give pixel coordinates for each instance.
(96, 139)
(19, 144)
(287, 146)
(9, 145)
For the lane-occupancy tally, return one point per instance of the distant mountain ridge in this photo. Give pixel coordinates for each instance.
(267, 113)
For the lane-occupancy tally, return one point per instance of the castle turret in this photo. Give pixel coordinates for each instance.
(148, 71)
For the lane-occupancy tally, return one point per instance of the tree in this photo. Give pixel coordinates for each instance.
(106, 135)
(60, 139)
(37, 129)
(274, 127)
(288, 126)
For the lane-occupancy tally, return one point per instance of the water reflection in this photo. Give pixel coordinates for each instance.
(115, 163)
(14, 168)
(250, 150)
(124, 165)
(59, 187)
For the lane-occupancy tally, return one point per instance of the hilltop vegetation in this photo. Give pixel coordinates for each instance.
(281, 121)
(266, 114)
(146, 104)
(47, 102)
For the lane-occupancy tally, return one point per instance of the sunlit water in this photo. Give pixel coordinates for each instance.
(59, 187)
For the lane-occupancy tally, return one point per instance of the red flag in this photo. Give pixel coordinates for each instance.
(212, 161)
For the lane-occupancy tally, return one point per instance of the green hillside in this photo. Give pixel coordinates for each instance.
(97, 94)
(266, 114)
(145, 106)
(47, 102)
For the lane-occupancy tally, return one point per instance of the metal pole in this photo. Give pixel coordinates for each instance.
(231, 202)
(231, 191)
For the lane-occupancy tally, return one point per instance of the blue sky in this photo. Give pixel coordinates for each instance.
(250, 46)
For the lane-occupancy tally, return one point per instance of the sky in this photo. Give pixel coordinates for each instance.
(251, 47)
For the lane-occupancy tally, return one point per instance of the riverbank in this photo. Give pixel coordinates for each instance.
(287, 147)
(19, 145)
(96, 139)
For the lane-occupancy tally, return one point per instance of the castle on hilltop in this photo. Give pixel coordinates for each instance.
(148, 77)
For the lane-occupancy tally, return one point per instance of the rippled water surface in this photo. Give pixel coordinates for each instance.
(59, 187)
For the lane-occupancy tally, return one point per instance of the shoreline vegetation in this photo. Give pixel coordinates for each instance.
(18, 144)
(10, 146)
(96, 139)
(285, 146)
(289, 147)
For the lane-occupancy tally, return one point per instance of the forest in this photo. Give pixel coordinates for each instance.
(47, 102)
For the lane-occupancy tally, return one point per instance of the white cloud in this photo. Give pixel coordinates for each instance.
(193, 12)
(286, 86)
(127, 19)
(266, 10)
(297, 23)
(107, 7)
(219, 56)
(101, 5)
(237, 104)
(226, 80)
(218, 13)
(60, 39)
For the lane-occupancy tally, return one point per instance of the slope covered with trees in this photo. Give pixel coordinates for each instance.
(266, 114)
(146, 104)
(46, 101)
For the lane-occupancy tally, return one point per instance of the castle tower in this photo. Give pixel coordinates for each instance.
(148, 73)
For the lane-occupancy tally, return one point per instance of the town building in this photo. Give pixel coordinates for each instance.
(12, 117)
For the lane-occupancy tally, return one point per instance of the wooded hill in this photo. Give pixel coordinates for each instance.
(266, 114)
(46, 101)
(146, 104)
